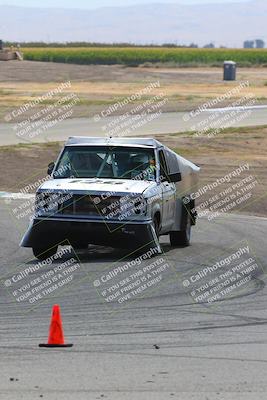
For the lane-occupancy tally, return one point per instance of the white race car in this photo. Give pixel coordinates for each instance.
(116, 192)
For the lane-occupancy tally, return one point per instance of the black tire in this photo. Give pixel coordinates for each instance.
(42, 253)
(182, 238)
(78, 247)
(156, 225)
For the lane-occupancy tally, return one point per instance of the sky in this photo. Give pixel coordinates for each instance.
(91, 4)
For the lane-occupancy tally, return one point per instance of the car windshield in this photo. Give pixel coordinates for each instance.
(107, 162)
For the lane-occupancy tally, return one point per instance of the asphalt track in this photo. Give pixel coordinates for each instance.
(153, 125)
(216, 351)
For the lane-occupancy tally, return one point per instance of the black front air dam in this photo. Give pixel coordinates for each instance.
(49, 232)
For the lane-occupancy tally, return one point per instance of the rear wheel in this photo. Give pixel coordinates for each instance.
(42, 253)
(182, 238)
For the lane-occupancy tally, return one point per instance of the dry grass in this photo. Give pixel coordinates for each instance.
(185, 88)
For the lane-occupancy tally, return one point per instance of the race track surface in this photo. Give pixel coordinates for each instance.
(162, 344)
(157, 124)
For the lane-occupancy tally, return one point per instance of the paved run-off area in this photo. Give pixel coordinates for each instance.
(206, 351)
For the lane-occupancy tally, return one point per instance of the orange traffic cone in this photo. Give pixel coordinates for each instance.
(56, 335)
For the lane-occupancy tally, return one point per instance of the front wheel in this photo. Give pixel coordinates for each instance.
(43, 253)
(79, 247)
(182, 238)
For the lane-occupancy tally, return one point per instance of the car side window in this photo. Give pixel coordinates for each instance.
(163, 167)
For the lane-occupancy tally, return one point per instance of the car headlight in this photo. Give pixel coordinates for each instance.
(133, 206)
(46, 203)
(140, 206)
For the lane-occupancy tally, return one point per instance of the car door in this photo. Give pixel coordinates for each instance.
(168, 194)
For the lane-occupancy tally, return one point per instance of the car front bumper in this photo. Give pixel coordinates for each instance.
(53, 231)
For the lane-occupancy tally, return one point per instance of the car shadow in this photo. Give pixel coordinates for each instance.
(100, 254)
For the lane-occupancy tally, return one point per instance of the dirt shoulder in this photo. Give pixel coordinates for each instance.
(26, 165)
(98, 86)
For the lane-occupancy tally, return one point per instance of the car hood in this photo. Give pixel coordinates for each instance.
(97, 186)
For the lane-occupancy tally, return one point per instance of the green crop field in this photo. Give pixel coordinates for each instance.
(134, 56)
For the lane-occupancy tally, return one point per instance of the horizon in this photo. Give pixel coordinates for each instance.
(86, 29)
(95, 4)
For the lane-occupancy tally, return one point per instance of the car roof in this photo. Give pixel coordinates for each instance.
(104, 141)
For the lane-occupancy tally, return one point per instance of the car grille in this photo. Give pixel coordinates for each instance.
(91, 206)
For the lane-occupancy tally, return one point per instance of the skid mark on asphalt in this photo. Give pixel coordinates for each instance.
(189, 357)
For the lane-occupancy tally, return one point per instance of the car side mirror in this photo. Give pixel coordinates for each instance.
(174, 178)
(51, 166)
